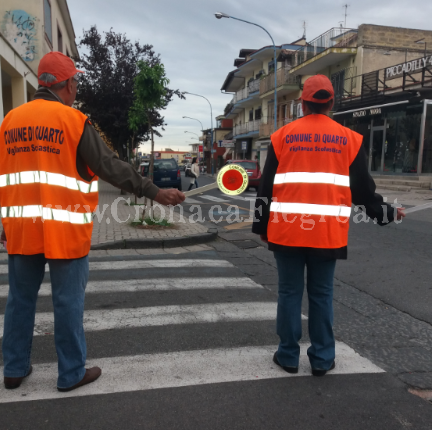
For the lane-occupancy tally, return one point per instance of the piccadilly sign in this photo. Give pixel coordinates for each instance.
(413, 66)
(367, 112)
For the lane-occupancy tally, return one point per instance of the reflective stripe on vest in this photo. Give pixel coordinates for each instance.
(32, 211)
(311, 178)
(35, 177)
(309, 209)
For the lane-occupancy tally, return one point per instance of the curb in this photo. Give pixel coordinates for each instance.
(175, 242)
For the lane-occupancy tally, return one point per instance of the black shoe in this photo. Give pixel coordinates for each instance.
(289, 369)
(322, 372)
(12, 383)
(90, 376)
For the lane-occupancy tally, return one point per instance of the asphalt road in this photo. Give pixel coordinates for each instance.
(388, 267)
(186, 342)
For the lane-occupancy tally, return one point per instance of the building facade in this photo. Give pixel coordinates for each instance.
(382, 79)
(28, 30)
(216, 153)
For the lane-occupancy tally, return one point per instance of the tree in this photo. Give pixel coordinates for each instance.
(106, 90)
(149, 97)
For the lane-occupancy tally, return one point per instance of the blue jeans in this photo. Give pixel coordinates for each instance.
(320, 274)
(68, 280)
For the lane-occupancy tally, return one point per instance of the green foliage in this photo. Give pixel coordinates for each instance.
(106, 92)
(151, 222)
(149, 93)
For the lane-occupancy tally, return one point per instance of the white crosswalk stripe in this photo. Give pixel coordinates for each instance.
(191, 201)
(163, 315)
(140, 264)
(221, 198)
(179, 368)
(213, 198)
(160, 284)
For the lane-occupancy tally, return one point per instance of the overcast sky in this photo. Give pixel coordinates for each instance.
(198, 50)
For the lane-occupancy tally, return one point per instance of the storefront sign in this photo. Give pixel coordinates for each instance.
(227, 144)
(367, 112)
(200, 148)
(244, 146)
(413, 66)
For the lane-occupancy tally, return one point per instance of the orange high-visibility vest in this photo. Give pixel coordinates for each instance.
(46, 206)
(311, 193)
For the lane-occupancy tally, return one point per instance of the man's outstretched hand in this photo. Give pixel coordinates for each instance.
(169, 197)
(400, 214)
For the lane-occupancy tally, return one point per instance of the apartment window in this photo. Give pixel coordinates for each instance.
(251, 115)
(258, 113)
(271, 66)
(47, 20)
(59, 40)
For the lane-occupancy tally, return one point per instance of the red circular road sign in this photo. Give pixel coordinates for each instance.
(233, 179)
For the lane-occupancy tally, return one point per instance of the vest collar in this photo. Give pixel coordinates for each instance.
(44, 93)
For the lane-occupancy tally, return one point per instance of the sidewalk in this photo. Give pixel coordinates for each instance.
(409, 198)
(111, 228)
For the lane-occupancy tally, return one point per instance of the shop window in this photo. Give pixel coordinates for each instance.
(401, 146)
(47, 20)
(59, 40)
(427, 150)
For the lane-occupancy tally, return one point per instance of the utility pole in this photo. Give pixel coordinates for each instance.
(346, 6)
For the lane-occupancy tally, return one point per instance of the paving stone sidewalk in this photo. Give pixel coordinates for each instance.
(113, 222)
(409, 198)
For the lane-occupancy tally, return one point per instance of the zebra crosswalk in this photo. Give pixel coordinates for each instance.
(164, 322)
(220, 198)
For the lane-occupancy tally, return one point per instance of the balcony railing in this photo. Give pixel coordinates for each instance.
(267, 127)
(247, 127)
(335, 36)
(375, 87)
(252, 87)
(283, 76)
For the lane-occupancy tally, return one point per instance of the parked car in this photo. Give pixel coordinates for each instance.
(166, 173)
(187, 169)
(253, 170)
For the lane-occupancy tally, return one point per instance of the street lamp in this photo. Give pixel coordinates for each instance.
(211, 119)
(202, 128)
(422, 41)
(191, 132)
(220, 15)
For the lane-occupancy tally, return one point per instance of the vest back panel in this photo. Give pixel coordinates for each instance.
(45, 204)
(311, 194)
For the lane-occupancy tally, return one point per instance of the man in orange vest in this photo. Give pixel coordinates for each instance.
(315, 169)
(49, 166)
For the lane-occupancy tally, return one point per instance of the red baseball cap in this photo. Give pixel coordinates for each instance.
(315, 84)
(56, 64)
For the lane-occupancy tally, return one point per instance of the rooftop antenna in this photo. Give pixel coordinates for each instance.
(346, 6)
(304, 29)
